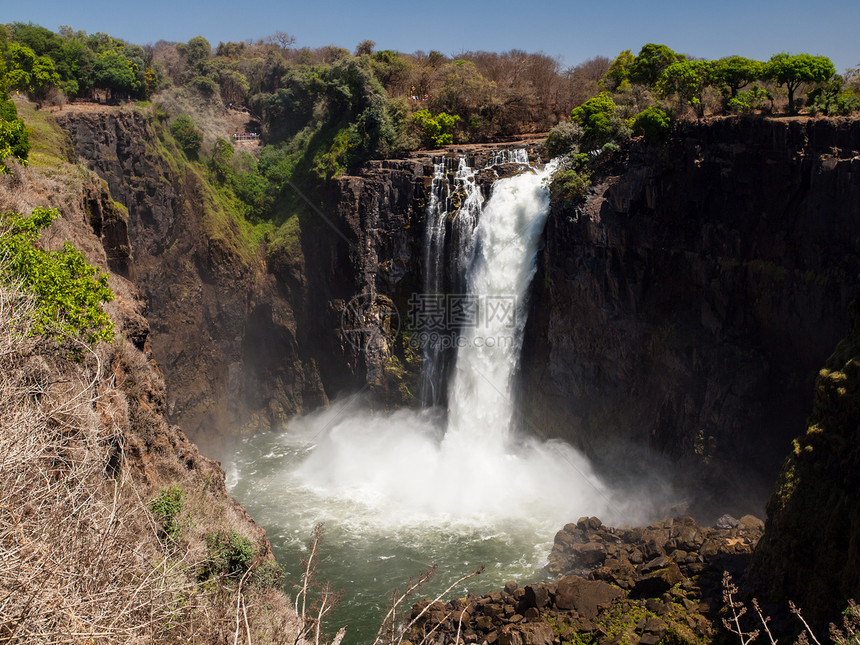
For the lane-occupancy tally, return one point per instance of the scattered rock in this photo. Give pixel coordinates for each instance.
(585, 596)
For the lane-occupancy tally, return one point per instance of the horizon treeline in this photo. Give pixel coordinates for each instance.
(324, 111)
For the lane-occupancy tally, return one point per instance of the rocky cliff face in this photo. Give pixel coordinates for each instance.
(686, 306)
(98, 453)
(249, 335)
(810, 552)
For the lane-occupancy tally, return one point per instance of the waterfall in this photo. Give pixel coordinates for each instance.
(498, 281)
(409, 466)
(402, 490)
(445, 261)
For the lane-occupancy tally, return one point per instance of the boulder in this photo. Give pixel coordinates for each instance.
(726, 522)
(587, 555)
(536, 595)
(751, 522)
(657, 583)
(585, 596)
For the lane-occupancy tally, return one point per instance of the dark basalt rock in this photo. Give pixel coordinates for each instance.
(679, 589)
(684, 308)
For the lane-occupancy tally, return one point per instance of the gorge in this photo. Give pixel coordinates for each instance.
(678, 316)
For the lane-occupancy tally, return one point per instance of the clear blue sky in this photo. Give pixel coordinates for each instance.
(572, 29)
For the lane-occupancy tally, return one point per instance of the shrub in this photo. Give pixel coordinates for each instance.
(204, 86)
(653, 123)
(438, 130)
(569, 186)
(564, 139)
(598, 120)
(187, 135)
(228, 554)
(752, 99)
(832, 99)
(69, 290)
(167, 507)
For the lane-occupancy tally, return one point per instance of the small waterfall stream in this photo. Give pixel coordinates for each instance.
(401, 491)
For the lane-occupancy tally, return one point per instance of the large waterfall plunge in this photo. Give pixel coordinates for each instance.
(401, 491)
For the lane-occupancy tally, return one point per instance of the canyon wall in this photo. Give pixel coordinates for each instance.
(684, 309)
(248, 333)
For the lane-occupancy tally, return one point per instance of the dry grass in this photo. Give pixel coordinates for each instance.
(81, 559)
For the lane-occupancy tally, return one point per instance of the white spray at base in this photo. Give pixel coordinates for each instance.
(403, 470)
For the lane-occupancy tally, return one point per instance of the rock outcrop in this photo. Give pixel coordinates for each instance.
(641, 585)
(810, 552)
(686, 306)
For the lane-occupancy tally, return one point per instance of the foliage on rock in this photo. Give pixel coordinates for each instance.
(68, 289)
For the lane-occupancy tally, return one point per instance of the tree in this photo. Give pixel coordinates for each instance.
(187, 135)
(438, 130)
(735, 73)
(792, 70)
(563, 139)
(619, 70)
(463, 89)
(365, 48)
(34, 75)
(115, 72)
(280, 38)
(196, 52)
(14, 140)
(599, 122)
(234, 86)
(688, 79)
(650, 63)
(653, 123)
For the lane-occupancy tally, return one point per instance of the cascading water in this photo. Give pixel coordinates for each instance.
(401, 491)
(439, 264)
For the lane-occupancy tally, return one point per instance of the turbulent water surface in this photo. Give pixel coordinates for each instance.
(459, 488)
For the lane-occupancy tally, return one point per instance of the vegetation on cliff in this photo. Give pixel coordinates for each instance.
(68, 289)
(810, 551)
(114, 528)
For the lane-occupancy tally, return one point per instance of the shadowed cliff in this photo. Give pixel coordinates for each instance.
(685, 307)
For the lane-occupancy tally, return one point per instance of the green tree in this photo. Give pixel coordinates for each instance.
(219, 163)
(34, 75)
(14, 140)
(653, 123)
(599, 121)
(196, 52)
(793, 70)
(619, 70)
(735, 73)
(115, 72)
(650, 62)
(187, 135)
(69, 291)
(438, 130)
(688, 80)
